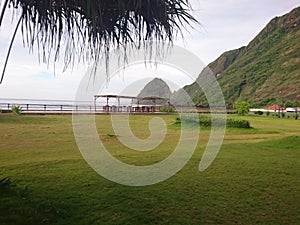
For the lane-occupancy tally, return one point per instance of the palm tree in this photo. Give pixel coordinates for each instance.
(89, 29)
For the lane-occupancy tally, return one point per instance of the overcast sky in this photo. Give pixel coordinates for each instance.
(224, 25)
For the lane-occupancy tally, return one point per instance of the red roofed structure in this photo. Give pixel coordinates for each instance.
(274, 108)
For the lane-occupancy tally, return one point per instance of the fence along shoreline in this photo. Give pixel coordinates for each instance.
(40, 107)
(29, 106)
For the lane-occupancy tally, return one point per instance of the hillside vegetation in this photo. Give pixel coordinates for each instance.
(155, 88)
(264, 72)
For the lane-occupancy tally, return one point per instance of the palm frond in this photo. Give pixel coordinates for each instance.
(89, 29)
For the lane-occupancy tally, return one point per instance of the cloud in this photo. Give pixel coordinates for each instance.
(230, 24)
(140, 75)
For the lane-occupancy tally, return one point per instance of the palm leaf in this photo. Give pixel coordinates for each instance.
(87, 30)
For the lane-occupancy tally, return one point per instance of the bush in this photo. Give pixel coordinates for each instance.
(205, 121)
(268, 113)
(167, 109)
(16, 109)
(190, 119)
(258, 113)
(238, 123)
(241, 108)
(292, 103)
(194, 119)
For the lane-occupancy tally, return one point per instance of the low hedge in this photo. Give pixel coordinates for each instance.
(238, 123)
(205, 121)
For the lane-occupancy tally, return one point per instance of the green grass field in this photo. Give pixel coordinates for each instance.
(253, 180)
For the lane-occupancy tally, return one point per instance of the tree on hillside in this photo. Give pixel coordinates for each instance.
(88, 29)
(292, 103)
(241, 108)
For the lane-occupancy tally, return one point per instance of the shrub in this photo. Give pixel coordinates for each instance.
(190, 118)
(194, 119)
(205, 121)
(16, 109)
(238, 123)
(258, 113)
(268, 113)
(241, 108)
(167, 109)
(292, 103)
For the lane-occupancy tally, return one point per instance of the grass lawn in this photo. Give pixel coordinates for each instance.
(255, 178)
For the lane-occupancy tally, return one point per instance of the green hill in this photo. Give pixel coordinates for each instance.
(264, 72)
(155, 88)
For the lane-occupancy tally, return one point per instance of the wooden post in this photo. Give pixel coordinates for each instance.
(95, 98)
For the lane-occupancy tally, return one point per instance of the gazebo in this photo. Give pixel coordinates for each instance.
(132, 107)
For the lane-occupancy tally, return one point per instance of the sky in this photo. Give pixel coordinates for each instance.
(223, 25)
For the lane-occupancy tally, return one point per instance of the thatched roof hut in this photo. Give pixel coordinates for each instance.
(89, 29)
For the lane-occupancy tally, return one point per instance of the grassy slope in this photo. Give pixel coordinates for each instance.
(263, 72)
(270, 67)
(254, 179)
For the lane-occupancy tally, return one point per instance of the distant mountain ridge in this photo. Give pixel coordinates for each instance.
(264, 72)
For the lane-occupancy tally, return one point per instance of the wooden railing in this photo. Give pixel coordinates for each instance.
(69, 108)
(7, 107)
